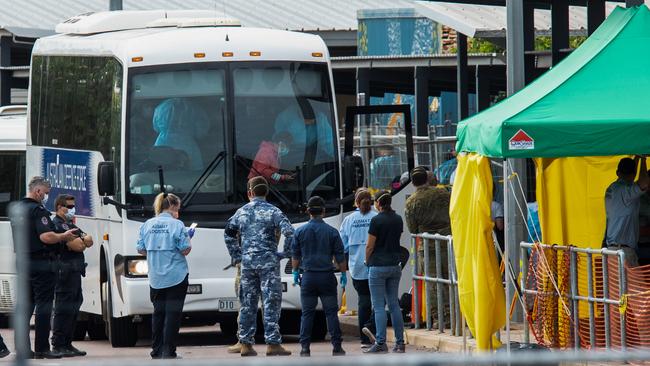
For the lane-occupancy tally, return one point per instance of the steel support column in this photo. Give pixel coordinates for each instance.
(595, 14)
(461, 76)
(514, 224)
(5, 75)
(515, 45)
(363, 84)
(559, 29)
(421, 101)
(631, 3)
(482, 88)
(115, 5)
(529, 41)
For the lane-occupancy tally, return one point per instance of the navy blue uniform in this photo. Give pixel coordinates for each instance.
(31, 216)
(315, 244)
(68, 295)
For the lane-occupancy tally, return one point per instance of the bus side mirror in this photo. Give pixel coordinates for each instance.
(106, 178)
(353, 172)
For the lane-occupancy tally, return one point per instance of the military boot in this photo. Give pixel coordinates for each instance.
(277, 350)
(247, 350)
(235, 348)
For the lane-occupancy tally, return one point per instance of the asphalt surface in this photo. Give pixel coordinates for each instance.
(194, 343)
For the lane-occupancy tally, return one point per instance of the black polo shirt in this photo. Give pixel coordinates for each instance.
(33, 216)
(387, 227)
(66, 254)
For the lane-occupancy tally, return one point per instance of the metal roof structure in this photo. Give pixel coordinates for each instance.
(489, 21)
(300, 15)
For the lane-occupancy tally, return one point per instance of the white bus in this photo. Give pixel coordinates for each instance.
(124, 104)
(13, 127)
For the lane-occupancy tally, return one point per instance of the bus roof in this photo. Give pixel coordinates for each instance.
(13, 131)
(170, 45)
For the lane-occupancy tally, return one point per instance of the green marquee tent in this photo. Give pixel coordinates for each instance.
(596, 102)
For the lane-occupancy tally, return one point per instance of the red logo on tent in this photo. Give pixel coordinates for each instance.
(521, 141)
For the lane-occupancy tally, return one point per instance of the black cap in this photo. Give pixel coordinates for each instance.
(316, 204)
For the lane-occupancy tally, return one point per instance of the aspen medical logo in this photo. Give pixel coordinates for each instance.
(521, 141)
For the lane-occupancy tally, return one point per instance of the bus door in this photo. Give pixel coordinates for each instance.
(378, 154)
(378, 149)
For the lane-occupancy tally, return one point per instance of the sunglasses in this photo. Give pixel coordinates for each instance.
(69, 207)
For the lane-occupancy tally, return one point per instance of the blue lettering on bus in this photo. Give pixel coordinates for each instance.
(68, 173)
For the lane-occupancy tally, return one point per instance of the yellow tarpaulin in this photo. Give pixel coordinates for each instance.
(571, 198)
(480, 289)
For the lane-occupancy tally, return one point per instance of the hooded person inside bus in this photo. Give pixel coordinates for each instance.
(179, 122)
(307, 130)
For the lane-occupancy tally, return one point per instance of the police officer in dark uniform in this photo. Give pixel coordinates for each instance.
(68, 296)
(29, 214)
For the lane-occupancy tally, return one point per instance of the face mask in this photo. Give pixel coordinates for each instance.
(70, 214)
(283, 150)
(44, 200)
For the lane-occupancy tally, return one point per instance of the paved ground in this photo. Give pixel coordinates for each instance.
(194, 343)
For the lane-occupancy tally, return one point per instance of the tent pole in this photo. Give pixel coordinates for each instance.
(508, 221)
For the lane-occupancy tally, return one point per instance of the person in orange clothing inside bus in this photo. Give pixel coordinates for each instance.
(268, 159)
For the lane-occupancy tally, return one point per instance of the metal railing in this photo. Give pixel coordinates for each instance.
(435, 277)
(592, 299)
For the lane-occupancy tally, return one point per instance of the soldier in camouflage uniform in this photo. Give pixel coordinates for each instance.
(256, 224)
(427, 211)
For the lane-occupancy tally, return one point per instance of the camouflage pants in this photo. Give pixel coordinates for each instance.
(267, 283)
(432, 289)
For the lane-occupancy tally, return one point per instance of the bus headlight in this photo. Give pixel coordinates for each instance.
(137, 267)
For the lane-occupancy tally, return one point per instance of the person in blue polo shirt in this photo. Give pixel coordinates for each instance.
(165, 241)
(315, 244)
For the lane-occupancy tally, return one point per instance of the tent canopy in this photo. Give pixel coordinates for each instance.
(596, 102)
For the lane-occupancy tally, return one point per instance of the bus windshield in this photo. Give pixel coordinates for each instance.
(276, 121)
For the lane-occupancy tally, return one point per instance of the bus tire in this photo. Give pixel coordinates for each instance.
(229, 326)
(319, 331)
(290, 321)
(96, 328)
(5, 321)
(121, 332)
(80, 330)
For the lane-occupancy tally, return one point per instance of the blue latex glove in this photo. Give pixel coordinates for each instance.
(296, 277)
(344, 279)
(190, 233)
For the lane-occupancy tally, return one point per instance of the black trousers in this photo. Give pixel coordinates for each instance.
(67, 301)
(42, 281)
(166, 319)
(321, 285)
(366, 315)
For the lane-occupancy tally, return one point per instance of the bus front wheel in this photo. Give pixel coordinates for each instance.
(121, 332)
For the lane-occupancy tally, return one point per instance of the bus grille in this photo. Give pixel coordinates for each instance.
(6, 297)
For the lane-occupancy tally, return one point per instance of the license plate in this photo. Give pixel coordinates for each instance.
(194, 289)
(228, 304)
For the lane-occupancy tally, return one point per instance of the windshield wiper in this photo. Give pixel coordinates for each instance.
(284, 200)
(185, 201)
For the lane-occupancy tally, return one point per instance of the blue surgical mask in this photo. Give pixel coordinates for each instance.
(44, 200)
(70, 214)
(283, 150)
